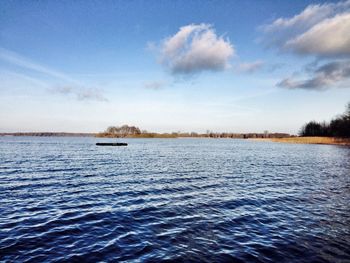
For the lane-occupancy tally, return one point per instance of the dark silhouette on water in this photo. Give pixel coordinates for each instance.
(111, 144)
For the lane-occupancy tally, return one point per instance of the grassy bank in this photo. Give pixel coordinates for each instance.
(312, 140)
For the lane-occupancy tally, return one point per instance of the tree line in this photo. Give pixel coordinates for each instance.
(135, 132)
(338, 127)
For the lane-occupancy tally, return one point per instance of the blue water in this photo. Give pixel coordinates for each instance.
(180, 200)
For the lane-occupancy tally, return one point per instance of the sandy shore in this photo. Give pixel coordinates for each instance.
(309, 140)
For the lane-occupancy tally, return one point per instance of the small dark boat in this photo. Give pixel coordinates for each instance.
(111, 144)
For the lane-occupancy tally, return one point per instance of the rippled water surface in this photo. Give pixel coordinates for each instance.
(183, 200)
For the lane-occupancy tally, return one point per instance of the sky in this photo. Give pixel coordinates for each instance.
(223, 66)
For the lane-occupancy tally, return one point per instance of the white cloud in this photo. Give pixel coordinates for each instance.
(250, 67)
(311, 15)
(319, 30)
(196, 48)
(331, 37)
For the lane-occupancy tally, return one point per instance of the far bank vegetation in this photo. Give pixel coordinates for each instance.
(337, 131)
(126, 131)
(131, 132)
(339, 127)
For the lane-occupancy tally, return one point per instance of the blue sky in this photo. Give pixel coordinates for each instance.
(235, 66)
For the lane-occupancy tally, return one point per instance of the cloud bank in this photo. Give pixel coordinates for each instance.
(195, 48)
(330, 37)
(319, 31)
(322, 77)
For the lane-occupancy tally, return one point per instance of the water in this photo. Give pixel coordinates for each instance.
(183, 200)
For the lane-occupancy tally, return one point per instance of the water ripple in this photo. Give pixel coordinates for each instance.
(173, 200)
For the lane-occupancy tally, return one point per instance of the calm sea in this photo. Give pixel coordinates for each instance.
(180, 200)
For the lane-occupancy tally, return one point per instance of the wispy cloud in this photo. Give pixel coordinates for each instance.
(18, 76)
(155, 85)
(90, 94)
(18, 60)
(151, 46)
(195, 48)
(250, 67)
(62, 89)
(79, 93)
(73, 86)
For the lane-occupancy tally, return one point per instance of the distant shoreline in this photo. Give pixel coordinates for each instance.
(49, 134)
(249, 136)
(151, 135)
(309, 140)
